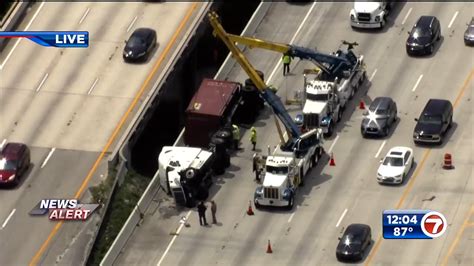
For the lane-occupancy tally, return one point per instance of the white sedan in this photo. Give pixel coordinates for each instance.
(395, 166)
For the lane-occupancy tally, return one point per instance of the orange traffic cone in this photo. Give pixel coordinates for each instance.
(269, 247)
(250, 211)
(361, 105)
(332, 162)
(448, 162)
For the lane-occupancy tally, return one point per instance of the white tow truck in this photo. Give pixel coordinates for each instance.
(325, 99)
(370, 14)
(185, 173)
(283, 172)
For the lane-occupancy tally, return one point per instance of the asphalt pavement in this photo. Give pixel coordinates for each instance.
(335, 196)
(65, 105)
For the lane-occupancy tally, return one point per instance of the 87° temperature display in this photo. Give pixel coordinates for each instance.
(413, 224)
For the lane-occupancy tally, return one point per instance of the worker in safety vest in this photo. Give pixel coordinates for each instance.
(286, 59)
(236, 136)
(253, 137)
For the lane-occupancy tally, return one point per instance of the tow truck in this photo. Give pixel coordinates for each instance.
(326, 94)
(335, 80)
(285, 168)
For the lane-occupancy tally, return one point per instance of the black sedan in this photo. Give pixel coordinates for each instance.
(424, 35)
(354, 242)
(140, 45)
(469, 33)
(379, 118)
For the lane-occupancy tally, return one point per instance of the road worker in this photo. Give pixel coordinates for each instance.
(286, 59)
(236, 136)
(253, 137)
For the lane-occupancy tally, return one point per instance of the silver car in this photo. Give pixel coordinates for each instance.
(469, 33)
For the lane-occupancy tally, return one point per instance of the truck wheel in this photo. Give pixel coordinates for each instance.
(339, 115)
(257, 205)
(291, 203)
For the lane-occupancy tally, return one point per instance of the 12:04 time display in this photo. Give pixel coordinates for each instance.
(401, 219)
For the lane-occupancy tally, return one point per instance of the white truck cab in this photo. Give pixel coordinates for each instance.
(194, 162)
(369, 14)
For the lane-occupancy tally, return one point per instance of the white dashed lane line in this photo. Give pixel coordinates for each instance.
(84, 16)
(8, 218)
(452, 20)
(417, 83)
(42, 82)
(131, 24)
(380, 149)
(373, 75)
(47, 157)
(340, 218)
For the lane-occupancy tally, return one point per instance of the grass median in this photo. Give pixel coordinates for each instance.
(121, 205)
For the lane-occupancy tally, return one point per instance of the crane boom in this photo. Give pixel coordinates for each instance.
(332, 65)
(265, 92)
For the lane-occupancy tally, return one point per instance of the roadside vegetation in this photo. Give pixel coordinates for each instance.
(121, 205)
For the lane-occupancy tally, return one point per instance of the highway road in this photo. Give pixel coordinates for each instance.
(69, 106)
(335, 196)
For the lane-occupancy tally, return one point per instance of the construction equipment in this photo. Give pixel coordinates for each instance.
(326, 96)
(335, 81)
(289, 163)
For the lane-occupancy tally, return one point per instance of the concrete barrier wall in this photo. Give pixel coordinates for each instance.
(120, 154)
(12, 19)
(137, 214)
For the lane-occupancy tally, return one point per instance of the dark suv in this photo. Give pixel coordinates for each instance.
(14, 162)
(379, 118)
(423, 36)
(434, 122)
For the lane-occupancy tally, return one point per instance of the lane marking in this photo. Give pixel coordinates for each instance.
(8, 218)
(47, 157)
(172, 240)
(452, 20)
(116, 131)
(3, 143)
(457, 238)
(406, 16)
(292, 39)
(380, 149)
(417, 82)
(42, 82)
(131, 24)
(464, 86)
(19, 39)
(333, 144)
(84, 16)
(292, 215)
(418, 169)
(93, 86)
(373, 74)
(340, 218)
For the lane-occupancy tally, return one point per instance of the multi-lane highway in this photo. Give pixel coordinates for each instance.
(336, 196)
(69, 106)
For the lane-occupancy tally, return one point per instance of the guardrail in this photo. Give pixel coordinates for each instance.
(138, 212)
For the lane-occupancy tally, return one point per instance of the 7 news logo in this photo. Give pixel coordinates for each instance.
(60, 39)
(64, 209)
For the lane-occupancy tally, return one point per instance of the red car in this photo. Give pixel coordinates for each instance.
(14, 162)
